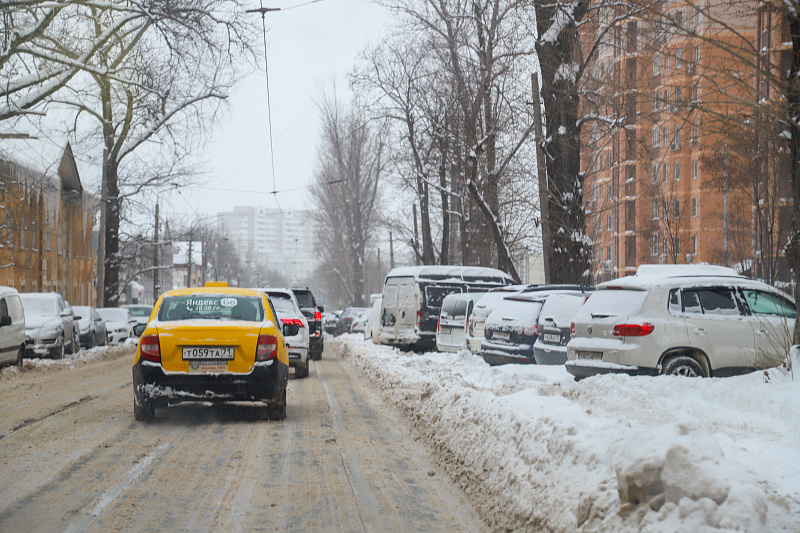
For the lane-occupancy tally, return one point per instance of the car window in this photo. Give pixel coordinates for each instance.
(304, 298)
(434, 295)
(515, 312)
(561, 308)
(211, 307)
(15, 308)
(767, 303)
(714, 301)
(448, 306)
(459, 309)
(691, 302)
(139, 311)
(3, 308)
(282, 304)
(114, 314)
(613, 302)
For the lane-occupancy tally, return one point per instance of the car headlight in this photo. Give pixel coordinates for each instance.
(49, 332)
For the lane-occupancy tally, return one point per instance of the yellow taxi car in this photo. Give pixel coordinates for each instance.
(212, 343)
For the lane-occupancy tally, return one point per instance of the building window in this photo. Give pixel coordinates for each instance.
(676, 175)
(665, 135)
(676, 138)
(677, 247)
(656, 64)
(677, 95)
(665, 172)
(655, 209)
(608, 221)
(696, 92)
(23, 234)
(656, 101)
(608, 253)
(665, 249)
(694, 169)
(654, 244)
(666, 61)
(609, 191)
(678, 55)
(666, 97)
(694, 245)
(694, 207)
(600, 196)
(697, 54)
(655, 137)
(695, 133)
(676, 208)
(679, 19)
(655, 172)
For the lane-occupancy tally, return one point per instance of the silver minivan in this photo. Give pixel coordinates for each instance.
(691, 320)
(12, 327)
(451, 332)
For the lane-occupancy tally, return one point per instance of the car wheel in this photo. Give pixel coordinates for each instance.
(20, 355)
(278, 411)
(302, 371)
(683, 365)
(59, 351)
(316, 355)
(71, 349)
(144, 410)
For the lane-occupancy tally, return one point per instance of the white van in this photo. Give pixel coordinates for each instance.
(412, 299)
(12, 327)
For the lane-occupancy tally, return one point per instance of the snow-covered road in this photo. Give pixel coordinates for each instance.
(536, 451)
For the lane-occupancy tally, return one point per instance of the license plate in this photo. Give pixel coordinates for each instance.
(207, 352)
(445, 330)
(208, 367)
(501, 335)
(552, 338)
(582, 354)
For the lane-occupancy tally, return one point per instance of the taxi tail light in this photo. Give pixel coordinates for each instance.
(419, 319)
(267, 347)
(633, 330)
(150, 349)
(292, 322)
(439, 323)
(572, 328)
(317, 316)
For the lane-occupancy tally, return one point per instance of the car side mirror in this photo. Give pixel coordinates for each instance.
(67, 312)
(5, 321)
(290, 330)
(138, 329)
(75, 317)
(321, 309)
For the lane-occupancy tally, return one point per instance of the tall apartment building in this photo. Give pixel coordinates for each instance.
(273, 239)
(46, 227)
(663, 164)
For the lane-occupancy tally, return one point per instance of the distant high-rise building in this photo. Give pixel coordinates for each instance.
(273, 239)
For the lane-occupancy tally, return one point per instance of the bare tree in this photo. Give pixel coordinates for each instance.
(346, 193)
(153, 83)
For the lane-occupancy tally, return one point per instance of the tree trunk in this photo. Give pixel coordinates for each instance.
(569, 260)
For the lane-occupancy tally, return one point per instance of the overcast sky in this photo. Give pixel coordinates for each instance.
(307, 47)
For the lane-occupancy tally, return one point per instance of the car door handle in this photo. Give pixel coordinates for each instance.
(700, 331)
(762, 332)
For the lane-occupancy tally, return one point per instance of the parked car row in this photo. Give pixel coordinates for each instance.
(693, 320)
(43, 324)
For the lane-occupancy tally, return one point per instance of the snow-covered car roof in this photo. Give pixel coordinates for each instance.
(466, 296)
(457, 273)
(661, 275)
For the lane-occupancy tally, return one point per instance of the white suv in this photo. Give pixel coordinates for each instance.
(692, 320)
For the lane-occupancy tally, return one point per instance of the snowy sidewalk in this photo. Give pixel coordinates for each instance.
(539, 452)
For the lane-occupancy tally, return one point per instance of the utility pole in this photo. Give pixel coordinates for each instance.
(156, 252)
(541, 170)
(725, 209)
(189, 262)
(391, 251)
(101, 236)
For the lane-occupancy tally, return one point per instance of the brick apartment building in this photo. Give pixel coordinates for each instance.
(46, 226)
(668, 175)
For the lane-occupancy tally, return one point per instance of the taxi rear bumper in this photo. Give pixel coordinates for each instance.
(266, 383)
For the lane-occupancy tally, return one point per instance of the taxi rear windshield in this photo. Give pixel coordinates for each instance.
(212, 307)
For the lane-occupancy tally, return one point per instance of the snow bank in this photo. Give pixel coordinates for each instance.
(84, 356)
(537, 451)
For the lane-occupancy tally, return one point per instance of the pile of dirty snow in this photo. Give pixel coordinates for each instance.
(537, 451)
(84, 356)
